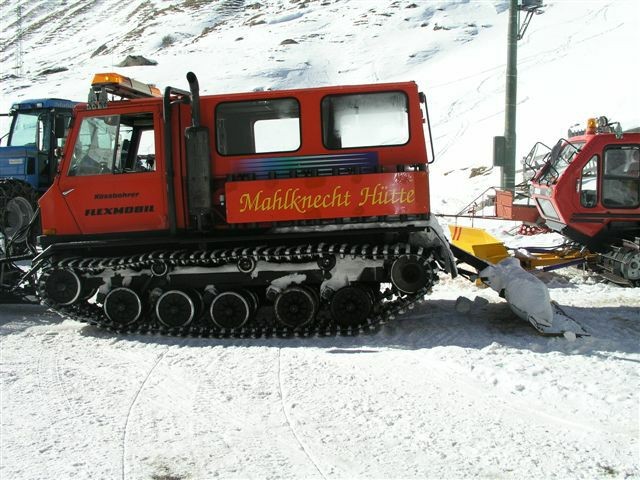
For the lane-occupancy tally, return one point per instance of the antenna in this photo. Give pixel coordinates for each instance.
(19, 71)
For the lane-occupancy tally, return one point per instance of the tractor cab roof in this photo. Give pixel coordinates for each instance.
(43, 103)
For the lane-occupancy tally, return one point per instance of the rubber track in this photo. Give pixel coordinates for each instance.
(391, 304)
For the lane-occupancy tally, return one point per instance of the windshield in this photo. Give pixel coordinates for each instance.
(561, 156)
(535, 160)
(25, 129)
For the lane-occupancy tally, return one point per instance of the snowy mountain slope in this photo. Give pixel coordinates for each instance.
(440, 394)
(573, 59)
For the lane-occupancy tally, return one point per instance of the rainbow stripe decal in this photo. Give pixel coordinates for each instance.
(262, 166)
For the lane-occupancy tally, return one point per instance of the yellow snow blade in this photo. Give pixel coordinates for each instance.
(478, 243)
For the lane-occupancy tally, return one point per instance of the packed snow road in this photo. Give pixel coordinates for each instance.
(440, 394)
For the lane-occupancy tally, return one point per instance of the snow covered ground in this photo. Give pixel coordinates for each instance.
(438, 394)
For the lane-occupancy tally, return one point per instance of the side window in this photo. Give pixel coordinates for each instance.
(365, 120)
(259, 126)
(114, 144)
(621, 178)
(146, 156)
(94, 148)
(589, 183)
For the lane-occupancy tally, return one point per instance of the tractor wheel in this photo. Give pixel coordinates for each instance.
(18, 202)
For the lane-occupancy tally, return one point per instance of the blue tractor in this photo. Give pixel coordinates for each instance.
(28, 165)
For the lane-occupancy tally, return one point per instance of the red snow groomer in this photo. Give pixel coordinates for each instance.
(588, 189)
(263, 213)
(252, 213)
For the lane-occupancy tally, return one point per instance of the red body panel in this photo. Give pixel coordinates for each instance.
(137, 202)
(413, 152)
(326, 197)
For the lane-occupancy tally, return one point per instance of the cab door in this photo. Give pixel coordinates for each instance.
(113, 180)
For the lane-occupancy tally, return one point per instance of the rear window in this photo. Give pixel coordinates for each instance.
(365, 120)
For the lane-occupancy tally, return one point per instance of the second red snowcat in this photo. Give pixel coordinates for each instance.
(588, 189)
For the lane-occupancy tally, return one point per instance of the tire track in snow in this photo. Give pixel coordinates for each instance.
(172, 403)
(471, 387)
(56, 411)
(288, 419)
(54, 383)
(60, 382)
(43, 392)
(132, 405)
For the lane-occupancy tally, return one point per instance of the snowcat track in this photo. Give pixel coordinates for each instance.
(387, 307)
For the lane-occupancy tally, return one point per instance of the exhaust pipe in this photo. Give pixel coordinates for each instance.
(198, 162)
(194, 87)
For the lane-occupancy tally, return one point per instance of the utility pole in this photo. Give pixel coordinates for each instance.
(509, 167)
(505, 147)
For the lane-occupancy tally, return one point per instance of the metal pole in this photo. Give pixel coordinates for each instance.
(509, 168)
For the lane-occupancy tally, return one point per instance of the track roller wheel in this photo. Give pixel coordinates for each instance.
(296, 307)
(122, 306)
(327, 262)
(62, 287)
(351, 306)
(246, 265)
(232, 309)
(409, 274)
(159, 269)
(175, 309)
